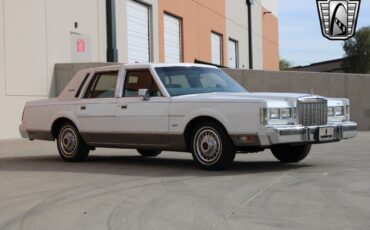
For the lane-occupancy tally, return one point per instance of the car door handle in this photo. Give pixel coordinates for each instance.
(83, 107)
(123, 106)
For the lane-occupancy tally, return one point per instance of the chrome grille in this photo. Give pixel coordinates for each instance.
(312, 112)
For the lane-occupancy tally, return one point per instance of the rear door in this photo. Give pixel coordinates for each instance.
(96, 111)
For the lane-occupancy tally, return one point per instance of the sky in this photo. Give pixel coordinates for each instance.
(300, 37)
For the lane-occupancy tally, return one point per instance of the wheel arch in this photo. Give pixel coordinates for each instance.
(194, 122)
(57, 123)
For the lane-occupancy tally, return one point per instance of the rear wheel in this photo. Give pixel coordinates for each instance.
(148, 153)
(291, 153)
(71, 146)
(211, 146)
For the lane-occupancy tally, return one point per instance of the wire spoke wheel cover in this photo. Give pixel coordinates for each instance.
(68, 141)
(207, 145)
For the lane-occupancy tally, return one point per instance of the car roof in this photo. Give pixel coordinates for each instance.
(146, 65)
(154, 65)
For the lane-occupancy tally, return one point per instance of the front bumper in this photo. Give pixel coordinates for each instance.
(296, 134)
(300, 134)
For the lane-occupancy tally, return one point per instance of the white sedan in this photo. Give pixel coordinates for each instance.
(182, 107)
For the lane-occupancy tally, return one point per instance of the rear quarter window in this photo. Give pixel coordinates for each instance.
(81, 86)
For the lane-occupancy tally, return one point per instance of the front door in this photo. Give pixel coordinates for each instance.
(142, 122)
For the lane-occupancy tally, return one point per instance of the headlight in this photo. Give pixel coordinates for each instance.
(339, 111)
(331, 111)
(286, 113)
(274, 113)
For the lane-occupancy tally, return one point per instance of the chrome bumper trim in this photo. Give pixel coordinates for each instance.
(301, 134)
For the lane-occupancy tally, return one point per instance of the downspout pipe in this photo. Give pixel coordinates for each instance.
(112, 52)
(250, 35)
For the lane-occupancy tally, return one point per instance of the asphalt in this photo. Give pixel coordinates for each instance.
(117, 189)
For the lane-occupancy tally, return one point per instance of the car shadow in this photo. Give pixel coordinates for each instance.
(137, 166)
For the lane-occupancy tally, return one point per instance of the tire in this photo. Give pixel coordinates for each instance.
(71, 146)
(291, 153)
(148, 152)
(211, 146)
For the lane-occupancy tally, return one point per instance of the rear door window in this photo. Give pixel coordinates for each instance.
(103, 85)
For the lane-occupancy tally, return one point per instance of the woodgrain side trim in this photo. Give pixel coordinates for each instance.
(136, 140)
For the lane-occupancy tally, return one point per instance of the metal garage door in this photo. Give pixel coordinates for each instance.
(172, 38)
(233, 54)
(216, 48)
(138, 32)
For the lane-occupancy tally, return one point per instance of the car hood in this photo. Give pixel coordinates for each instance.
(267, 99)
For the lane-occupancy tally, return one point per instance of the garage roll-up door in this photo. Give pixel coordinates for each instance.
(233, 54)
(138, 32)
(172, 38)
(216, 48)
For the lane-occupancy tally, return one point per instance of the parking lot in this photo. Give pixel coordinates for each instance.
(117, 189)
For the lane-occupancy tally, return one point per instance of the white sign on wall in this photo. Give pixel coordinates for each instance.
(80, 48)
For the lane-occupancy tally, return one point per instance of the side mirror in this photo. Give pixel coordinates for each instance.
(144, 93)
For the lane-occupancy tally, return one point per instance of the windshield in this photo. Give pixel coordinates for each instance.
(193, 80)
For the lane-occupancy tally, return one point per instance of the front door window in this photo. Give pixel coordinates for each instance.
(140, 79)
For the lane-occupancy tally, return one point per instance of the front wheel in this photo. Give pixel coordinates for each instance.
(71, 146)
(291, 153)
(211, 146)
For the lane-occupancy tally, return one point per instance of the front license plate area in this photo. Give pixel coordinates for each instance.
(326, 134)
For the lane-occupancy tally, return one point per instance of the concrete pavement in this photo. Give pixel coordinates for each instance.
(117, 189)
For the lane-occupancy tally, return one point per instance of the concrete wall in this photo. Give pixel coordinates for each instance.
(353, 86)
(63, 73)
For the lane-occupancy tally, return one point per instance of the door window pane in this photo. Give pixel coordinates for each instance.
(103, 85)
(140, 79)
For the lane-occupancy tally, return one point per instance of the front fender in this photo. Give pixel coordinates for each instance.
(235, 117)
(212, 113)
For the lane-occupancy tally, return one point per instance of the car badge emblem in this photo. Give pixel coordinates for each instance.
(338, 18)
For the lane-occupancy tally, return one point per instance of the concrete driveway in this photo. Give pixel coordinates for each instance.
(117, 189)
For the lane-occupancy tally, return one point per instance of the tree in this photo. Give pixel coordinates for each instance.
(357, 51)
(284, 64)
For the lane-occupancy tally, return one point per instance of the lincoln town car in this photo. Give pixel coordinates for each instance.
(183, 108)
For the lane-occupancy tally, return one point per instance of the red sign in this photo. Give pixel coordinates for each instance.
(81, 45)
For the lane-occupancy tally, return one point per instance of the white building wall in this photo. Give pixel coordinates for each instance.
(257, 35)
(37, 35)
(25, 35)
(237, 28)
